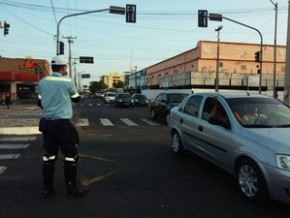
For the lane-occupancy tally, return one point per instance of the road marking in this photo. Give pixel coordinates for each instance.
(2, 169)
(106, 122)
(150, 122)
(97, 158)
(128, 122)
(9, 156)
(83, 122)
(89, 181)
(13, 146)
(8, 139)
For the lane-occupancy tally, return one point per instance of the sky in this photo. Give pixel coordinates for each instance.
(163, 29)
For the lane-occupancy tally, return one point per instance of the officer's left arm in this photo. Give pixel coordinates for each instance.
(75, 97)
(39, 102)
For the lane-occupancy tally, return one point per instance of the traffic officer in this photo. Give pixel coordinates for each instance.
(56, 94)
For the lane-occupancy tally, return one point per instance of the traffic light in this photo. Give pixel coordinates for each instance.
(86, 60)
(61, 48)
(258, 56)
(131, 13)
(202, 18)
(6, 28)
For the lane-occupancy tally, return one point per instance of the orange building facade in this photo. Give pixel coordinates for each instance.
(20, 77)
(197, 67)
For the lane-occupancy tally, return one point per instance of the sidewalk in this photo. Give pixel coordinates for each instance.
(19, 119)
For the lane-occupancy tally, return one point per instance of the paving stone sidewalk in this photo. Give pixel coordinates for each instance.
(19, 115)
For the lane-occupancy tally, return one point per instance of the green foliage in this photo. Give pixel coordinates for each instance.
(118, 84)
(97, 85)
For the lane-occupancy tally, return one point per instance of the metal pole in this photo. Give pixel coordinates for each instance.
(275, 50)
(286, 98)
(72, 15)
(217, 59)
(261, 50)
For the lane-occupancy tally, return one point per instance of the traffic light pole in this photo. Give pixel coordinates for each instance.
(72, 15)
(261, 50)
(112, 9)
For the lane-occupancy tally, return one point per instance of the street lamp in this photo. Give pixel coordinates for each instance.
(217, 59)
(112, 9)
(275, 50)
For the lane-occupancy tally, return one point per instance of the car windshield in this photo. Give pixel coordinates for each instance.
(111, 95)
(176, 98)
(124, 96)
(140, 96)
(260, 112)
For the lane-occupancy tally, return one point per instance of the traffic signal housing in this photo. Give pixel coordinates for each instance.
(6, 28)
(202, 18)
(61, 48)
(130, 13)
(258, 56)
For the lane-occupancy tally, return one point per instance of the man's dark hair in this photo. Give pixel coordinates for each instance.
(56, 68)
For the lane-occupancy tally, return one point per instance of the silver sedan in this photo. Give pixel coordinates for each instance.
(245, 134)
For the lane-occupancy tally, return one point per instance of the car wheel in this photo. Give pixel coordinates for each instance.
(251, 181)
(177, 144)
(167, 118)
(153, 115)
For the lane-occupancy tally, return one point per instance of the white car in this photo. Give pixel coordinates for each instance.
(109, 97)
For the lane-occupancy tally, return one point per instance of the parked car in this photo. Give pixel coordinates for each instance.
(245, 134)
(124, 99)
(140, 99)
(99, 94)
(109, 97)
(161, 105)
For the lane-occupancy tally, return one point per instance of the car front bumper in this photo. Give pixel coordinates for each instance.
(278, 183)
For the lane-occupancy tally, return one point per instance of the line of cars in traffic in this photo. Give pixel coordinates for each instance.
(123, 99)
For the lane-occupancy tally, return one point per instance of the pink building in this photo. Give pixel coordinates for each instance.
(238, 69)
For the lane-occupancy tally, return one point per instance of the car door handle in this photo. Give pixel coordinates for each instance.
(200, 128)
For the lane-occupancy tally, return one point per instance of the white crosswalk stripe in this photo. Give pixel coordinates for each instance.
(16, 139)
(2, 169)
(106, 122)
(83, 122)
(9, 156)
(10, 146)
(13, 146)
(150, 122)
(128, 122)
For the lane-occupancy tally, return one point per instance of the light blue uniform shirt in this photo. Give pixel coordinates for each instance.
(55, 93)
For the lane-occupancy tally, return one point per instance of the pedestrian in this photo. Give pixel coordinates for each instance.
(7, 100)
(56, 94)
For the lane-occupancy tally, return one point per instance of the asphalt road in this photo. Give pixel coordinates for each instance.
(130, 171)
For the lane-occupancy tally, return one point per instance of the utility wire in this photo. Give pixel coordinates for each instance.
(53, 10)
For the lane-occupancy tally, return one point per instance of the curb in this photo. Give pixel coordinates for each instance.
(33, 130)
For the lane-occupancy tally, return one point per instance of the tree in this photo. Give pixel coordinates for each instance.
(118, 84)
(95, 85)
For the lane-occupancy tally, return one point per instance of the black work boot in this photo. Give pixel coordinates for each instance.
(70, 172)
(48, 173)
